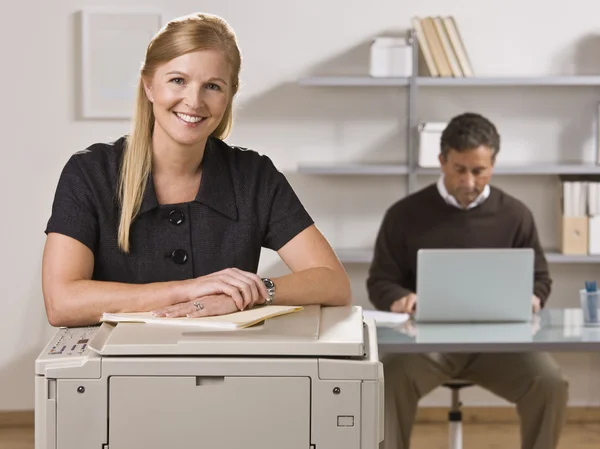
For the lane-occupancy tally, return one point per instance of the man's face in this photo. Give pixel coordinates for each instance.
(466, 173)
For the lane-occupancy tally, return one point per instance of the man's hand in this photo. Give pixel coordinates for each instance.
(536, 304)
(405, 304)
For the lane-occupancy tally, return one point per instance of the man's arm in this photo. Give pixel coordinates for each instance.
(528, 238)
(388, 270)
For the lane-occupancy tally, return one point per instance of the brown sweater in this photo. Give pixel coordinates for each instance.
(424, 220)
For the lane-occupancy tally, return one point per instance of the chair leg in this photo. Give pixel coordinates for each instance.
(455, 422)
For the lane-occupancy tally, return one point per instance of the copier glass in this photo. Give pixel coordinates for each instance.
(307, 380)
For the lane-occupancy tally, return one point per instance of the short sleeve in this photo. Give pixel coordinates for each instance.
(73, 210)
(286, 216)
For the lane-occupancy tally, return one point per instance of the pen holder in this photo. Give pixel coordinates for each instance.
(589, 306)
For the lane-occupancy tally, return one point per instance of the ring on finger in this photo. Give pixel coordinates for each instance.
(198, 305)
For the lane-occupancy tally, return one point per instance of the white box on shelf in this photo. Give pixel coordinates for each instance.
(430, 134)
(390, 57)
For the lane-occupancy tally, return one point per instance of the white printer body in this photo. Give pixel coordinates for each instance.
(307, 380)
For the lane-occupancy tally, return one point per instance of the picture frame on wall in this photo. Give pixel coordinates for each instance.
(113, 48)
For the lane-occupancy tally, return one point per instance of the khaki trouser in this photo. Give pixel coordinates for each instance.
(532, 381)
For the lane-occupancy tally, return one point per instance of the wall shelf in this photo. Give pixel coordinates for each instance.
(410, 173)
(542, 169)
(541, 81)
(424, 81)
(354, 169)
(403, 169)
(352, 81)
(365, 255)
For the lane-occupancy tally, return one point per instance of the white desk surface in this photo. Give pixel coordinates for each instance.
(551, 330)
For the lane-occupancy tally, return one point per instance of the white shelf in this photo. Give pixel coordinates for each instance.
(541, 81)
(399, 169)
(554, 257)
(365, 255)
(354, 169)
(542, 169)
(423, 81)
(352, 81)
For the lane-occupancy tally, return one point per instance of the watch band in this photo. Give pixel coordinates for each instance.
(270, 290)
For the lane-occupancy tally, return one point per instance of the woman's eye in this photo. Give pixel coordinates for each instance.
(177, 80)
(213, 86)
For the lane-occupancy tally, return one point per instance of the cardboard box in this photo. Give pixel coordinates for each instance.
(574, 235)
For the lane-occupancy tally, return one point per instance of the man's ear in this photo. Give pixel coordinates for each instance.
(442, 159)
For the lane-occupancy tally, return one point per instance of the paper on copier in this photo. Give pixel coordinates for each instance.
(386, 319)
(236, 320)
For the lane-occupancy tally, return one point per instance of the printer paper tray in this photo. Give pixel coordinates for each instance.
(209, 412)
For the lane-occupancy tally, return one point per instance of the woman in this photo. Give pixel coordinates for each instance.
(170, 219)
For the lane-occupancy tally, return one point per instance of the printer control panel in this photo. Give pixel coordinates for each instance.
(71, 341)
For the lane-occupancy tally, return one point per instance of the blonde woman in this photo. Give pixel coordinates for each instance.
(170, 218)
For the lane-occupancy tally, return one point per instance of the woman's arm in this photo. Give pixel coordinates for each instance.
(73, 299)
(317, 275)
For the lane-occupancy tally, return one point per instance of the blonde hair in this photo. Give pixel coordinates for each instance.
(180, 36)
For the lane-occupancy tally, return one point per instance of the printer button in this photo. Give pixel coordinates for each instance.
(176, 217)
(345, 421)
(179, 256)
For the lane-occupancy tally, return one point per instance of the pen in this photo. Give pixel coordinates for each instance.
(592, 300)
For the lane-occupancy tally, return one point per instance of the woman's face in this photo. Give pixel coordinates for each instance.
(189, 96)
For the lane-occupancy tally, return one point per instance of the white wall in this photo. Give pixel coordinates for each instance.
(280, 42)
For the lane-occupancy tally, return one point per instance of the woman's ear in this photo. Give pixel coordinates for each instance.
(148, 90)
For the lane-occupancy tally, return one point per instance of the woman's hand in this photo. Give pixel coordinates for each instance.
(244, 288)
(206, 306)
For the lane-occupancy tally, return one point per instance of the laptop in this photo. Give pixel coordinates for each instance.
(474, 285)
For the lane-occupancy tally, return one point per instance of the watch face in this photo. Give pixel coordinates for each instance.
(268, 283)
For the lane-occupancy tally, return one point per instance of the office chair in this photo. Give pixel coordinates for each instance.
(455, 414)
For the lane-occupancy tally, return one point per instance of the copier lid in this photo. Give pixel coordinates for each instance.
(315, 331)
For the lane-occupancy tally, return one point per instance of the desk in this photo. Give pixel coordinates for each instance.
(557, 330)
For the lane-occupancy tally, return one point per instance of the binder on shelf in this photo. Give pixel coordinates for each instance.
(442, 48)
(594, 218)
(425, 50)
(574, 221)
(453, 63)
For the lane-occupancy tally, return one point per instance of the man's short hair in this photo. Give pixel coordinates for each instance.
(469, 131)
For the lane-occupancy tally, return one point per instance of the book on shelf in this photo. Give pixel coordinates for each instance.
(441, 47)
(580, 217)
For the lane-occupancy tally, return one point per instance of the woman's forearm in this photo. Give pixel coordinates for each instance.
(82, 302)
(321, 285)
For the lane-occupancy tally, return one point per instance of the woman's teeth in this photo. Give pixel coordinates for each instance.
(188, 118)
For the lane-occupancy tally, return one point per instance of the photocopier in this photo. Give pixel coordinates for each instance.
(307, 380)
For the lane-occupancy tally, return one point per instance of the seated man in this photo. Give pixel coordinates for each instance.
(463, 211)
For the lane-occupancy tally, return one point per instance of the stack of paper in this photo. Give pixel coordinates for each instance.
(236, 320)
(386, 319)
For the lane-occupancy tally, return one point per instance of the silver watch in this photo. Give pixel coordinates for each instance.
(270, 290)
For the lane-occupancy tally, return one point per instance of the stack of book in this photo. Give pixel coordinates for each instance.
(441, 47)
(580, 217)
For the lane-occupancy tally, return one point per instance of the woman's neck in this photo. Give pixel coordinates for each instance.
(170, 159)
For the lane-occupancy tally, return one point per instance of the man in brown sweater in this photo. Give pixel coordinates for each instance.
(462, 210)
